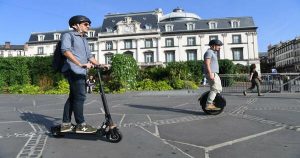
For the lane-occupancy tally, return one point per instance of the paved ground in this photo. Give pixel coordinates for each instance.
(156, 124)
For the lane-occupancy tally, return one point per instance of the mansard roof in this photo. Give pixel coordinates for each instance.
(49, 36)
(145, 18)
(12, 47)
(203, 24)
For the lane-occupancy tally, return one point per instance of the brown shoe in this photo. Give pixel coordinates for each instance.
(212, 107)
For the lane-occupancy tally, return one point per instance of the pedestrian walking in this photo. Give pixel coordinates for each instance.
(255, 80)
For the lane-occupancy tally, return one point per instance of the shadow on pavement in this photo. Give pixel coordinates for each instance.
(149, 107)
(39, 119)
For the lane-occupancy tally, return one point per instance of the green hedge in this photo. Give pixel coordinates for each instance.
(35, 75)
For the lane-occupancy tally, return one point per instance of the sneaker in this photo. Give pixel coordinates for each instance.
(85, 128)
(212, 107)
(66, 127)
(244, 93)
(260, 95)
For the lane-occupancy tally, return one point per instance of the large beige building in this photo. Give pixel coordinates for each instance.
(285, 56)
(154, 38)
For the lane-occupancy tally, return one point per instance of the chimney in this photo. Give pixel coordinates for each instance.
(7, 45)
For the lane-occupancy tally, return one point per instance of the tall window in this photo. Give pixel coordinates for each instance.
(41, 37)
(169, 27)
(170, 56)
(213, 38)
(191, 55)
(91, 34)
(109, 45)
(169, 42)
(56, 36)
(190, 26)
(213, 25)
(109, 29)
(108, 58)
(128, 44)
(40, 50)
(236, 39)
(148, 43)
(128, 53)
(235, 23)
(191, 41)
(148, 26)
(10, 54)
(92, 47)
(149, 57)
(237, 53)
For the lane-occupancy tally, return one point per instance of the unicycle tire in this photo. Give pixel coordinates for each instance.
(219, 102)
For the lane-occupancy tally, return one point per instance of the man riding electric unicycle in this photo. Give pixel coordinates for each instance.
(212, 102)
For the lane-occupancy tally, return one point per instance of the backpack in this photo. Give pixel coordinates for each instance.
(59, 59)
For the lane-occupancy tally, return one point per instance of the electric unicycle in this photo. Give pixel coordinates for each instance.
(219, 102)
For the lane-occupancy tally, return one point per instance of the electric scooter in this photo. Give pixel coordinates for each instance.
(219, 102)
(108, 128)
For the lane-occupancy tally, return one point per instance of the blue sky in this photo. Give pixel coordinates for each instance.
(276, 20)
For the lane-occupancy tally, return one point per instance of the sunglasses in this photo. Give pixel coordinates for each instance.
(86, 24)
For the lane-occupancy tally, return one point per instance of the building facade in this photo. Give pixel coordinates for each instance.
(285, 56)
(8, 50)
(154, 38)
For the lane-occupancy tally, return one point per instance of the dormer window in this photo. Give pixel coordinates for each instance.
(91, 33)
(148, 26)
(169, 27)
(213, 25)
(109, 29)
(57, 36)
(41, 37)
(235, 23)
(190, 26)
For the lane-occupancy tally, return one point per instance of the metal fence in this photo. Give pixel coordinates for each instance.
(271, 83)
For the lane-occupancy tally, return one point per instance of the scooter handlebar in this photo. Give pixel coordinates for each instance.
(101, 66)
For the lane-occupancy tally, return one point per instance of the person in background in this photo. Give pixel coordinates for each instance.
(90, 84)
(255, 80)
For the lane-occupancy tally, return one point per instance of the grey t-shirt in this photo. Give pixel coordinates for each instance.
(214, 65)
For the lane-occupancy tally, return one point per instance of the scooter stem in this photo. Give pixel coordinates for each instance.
(109, 121)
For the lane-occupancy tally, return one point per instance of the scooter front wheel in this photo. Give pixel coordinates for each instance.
(219, 102)
(114, 135)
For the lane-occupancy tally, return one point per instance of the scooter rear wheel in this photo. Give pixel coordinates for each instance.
(55, 131)
(114, 135)
(219, 102)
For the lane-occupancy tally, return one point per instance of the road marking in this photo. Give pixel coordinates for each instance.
(164, 141)
(213, 147)
(122, 119)
(180, 105)
(12, 122)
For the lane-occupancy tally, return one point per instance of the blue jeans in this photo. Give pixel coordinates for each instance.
(76, 98)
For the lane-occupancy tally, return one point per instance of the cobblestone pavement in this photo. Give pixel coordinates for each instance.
(156, 124)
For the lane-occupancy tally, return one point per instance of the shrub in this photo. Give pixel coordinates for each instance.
(190, 85)
(24, 89)
(124, 70)
(177, 83)
(162, 86)
(62, 88)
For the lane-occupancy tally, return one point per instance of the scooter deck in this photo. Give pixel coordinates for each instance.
(57, 131)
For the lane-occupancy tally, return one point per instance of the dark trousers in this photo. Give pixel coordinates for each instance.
(254, 83)
(77, 96)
